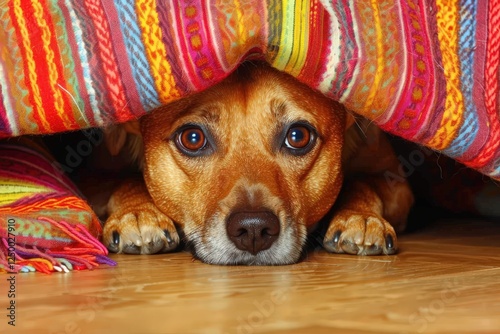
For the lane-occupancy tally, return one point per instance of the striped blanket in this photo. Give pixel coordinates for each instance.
(426, 70)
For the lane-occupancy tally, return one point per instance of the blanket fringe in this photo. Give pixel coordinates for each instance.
(85, 253)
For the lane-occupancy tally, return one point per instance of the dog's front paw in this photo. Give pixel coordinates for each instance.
(140, 229)
(360, 233)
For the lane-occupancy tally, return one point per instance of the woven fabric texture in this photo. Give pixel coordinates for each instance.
(425, 70)
(45, 225)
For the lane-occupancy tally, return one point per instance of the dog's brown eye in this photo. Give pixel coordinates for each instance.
(298, 137)
(192, 139)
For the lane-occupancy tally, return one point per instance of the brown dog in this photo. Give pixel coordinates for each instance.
(246, 169)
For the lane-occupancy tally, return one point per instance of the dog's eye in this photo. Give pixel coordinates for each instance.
(191, 139)
(299, 138)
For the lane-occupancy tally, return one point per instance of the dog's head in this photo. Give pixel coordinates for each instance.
(247, 167)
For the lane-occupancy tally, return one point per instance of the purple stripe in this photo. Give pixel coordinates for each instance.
(122, 60)
(348, 49)
(97, 78)
(168, 39)
(434, 120)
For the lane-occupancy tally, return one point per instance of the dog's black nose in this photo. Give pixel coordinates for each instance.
(253, 231)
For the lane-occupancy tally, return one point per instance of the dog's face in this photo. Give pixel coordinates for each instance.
(247, 167)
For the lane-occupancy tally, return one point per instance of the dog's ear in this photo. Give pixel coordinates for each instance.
(132, 127)
(360, 133)
(125, 139)
(115, 136)
(350, 120)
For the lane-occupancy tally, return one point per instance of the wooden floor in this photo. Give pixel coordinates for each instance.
(446, 279)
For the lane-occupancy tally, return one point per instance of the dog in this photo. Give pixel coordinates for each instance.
(243, 171)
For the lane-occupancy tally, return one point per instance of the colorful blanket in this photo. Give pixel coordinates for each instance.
(426, 70)
(45, 225)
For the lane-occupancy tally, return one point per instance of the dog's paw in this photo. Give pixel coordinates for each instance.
(141, 229)
(360, 233)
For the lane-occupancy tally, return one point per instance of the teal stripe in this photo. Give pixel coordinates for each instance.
(136, 52)
(84, 61)
(467, 45)
(69, 64)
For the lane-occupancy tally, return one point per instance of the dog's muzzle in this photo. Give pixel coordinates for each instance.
(253, 231)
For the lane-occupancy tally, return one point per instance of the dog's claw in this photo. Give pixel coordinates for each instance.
(131, 249)
(389, 242)
(336, 237)
(354, 233)
(116, 238)
(349, 247)
(140, 230)
(153, 247)
(168, 236)
(373, 250)
(171, 243)
(114, 246)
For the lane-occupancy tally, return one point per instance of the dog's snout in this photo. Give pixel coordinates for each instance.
(253, 231)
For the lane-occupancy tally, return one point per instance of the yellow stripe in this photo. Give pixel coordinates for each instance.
(379, 71)
(13, 182)
(30, 62)
(241, 28)
(11, 191)
(46, 262)
(11, 186)
(286, 39)
(301, 37)
(294, 41)
(6, 199)
(155, 50)
(248, 23)
(447, 20)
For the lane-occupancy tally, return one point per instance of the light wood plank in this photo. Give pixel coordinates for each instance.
(446, 279)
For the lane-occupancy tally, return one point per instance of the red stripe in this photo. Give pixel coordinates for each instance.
(66, 119)
(112, 75)
(5, 128)
(41, 73)
(191, 74)
(491, 87)
(314, 66)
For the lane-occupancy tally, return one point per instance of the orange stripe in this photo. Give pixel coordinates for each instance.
(156, 51)
(448, 31)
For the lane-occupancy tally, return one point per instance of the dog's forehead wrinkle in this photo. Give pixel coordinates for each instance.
(203, 113)
(278, 108)
(211, 113)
